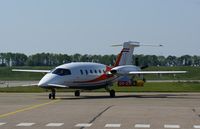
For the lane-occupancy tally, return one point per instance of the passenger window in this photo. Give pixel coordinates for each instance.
(91, 71)
(86, 72)
(95, 71)
(81, 72)
(99, 71)
(62, 72)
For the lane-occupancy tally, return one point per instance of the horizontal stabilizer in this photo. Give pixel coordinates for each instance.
(33, 71)
(157, 72)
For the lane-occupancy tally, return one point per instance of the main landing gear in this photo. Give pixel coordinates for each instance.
(52, 95)
(112, 92)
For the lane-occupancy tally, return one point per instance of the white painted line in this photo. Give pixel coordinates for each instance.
(54, 124)
(2, 123)
(113, 125)
(25, 124)
(172, 126)
(142, 125)
(196, 126)
(83, 125)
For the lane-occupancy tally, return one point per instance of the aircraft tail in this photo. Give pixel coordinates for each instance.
(126, 54)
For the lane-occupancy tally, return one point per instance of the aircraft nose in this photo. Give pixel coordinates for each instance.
(42, 83)
(46, 80)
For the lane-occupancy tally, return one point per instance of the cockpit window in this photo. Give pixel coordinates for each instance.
(62, 72)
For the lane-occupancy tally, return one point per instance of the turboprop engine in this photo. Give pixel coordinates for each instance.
(127, 79)
(124, 69)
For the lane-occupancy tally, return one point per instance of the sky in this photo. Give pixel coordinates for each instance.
(92, 26)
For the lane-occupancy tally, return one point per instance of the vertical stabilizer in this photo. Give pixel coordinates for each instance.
(126, 54)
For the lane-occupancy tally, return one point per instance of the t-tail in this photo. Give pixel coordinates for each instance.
(126, 54)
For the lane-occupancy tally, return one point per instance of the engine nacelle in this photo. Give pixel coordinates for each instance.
(124, 70)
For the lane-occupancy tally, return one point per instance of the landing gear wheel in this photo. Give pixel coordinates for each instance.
(77, 93)
(112, 93)
(52, 95)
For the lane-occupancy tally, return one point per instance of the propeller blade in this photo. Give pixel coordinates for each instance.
(137, 62)
(144, 67)
(117, 45)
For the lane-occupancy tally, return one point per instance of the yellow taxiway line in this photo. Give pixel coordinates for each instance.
(28, 108)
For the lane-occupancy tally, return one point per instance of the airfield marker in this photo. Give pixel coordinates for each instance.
(142, 125)
(25, 124)
(196, 126)
(113, 125)
(83, 125)
(172, 126)
(2, 123)
(54, 124)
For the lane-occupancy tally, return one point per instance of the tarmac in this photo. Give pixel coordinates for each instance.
(94, 110)
(30, 83)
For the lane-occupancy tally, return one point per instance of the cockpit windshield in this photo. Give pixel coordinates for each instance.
(62, 72)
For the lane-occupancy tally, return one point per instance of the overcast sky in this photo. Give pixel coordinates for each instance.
(91, 26)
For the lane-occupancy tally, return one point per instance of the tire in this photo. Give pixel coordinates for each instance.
(77, 93)
(53, 96)
(50, 96)
(112, 93)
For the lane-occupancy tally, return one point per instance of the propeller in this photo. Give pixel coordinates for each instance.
(141, 67)
(137, 63)
(144, 67)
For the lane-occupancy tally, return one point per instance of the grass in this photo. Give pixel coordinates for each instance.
(149, 87)
(163, 87)
(7, 74)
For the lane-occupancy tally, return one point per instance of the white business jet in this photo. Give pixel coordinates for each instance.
(90, 76)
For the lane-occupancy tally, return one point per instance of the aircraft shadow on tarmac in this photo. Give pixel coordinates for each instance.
(169, 96)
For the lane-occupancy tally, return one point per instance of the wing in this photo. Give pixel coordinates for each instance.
(30, 84)
(156, 72)
(33, 71)
(58, 86)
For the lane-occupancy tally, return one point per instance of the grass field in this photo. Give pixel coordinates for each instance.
(149, 87)
(7, 74)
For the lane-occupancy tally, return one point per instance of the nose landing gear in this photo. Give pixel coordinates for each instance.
(52, 95)
(77, 93)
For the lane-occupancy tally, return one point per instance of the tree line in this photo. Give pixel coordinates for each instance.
(51, 59)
